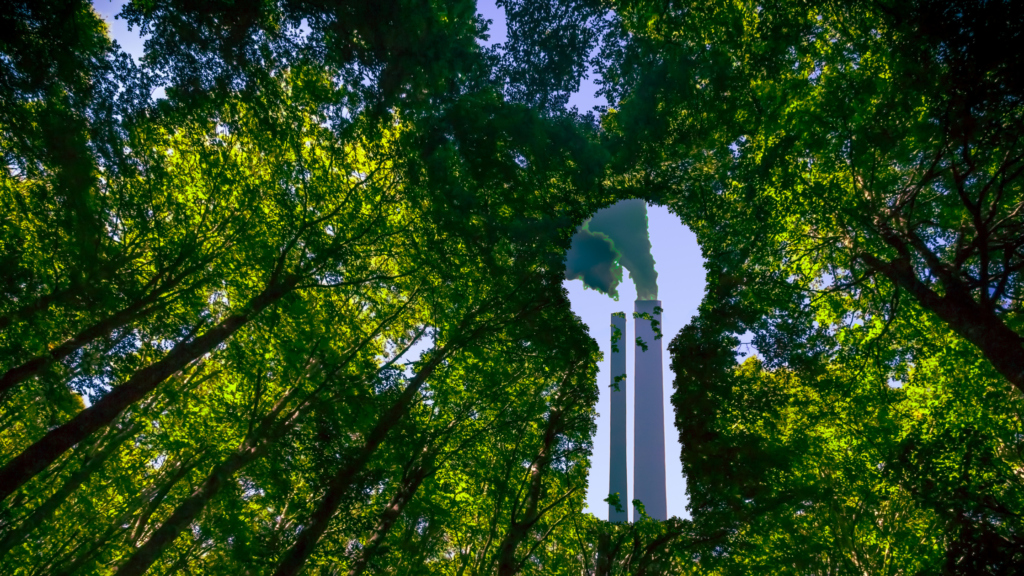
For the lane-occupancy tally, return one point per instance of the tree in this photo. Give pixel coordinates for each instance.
(871, 150)
(503, 499)
(223, 376)
(305, 241)
(805, 465)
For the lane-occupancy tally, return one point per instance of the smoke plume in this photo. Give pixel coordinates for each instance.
(613, 238)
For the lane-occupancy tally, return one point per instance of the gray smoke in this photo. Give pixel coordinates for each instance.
(615, 237)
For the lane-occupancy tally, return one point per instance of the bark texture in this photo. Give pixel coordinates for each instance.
(102, 329)
(296, 557)
(521, 526)
(411, 482)
(48, 508)
(975, 323)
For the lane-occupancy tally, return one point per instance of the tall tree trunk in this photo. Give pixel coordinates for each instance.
(251, 449)
(181, 470)
(48, 508)
(269, 430)
(38, 456)
(105, 327)
(975, 323)
(71, 563)
(296, 557)
(40, 304)
(411, 482)
(520, 528)
(138, 309)
(605, 555)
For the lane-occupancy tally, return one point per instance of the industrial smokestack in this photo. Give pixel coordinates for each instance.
(618, 477)
(614, 237)
(649, 415)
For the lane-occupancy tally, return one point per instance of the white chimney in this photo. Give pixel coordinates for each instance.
(618, 477)
(649, 415)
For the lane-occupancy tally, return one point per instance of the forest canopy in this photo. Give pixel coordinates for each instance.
(285, 295)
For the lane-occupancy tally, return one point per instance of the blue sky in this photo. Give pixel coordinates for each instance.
(130, 41)
(680, 279)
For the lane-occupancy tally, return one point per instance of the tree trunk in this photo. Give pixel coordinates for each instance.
(410, 484)
(604, 555)
(47, 509)
(520, 529)
(251, 449)
(38, 456)
(139, 309)
(296, 557)
(975, 323)
(182, 470)
(105, 327)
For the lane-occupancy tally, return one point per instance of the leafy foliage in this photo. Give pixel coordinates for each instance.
(305, 313)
